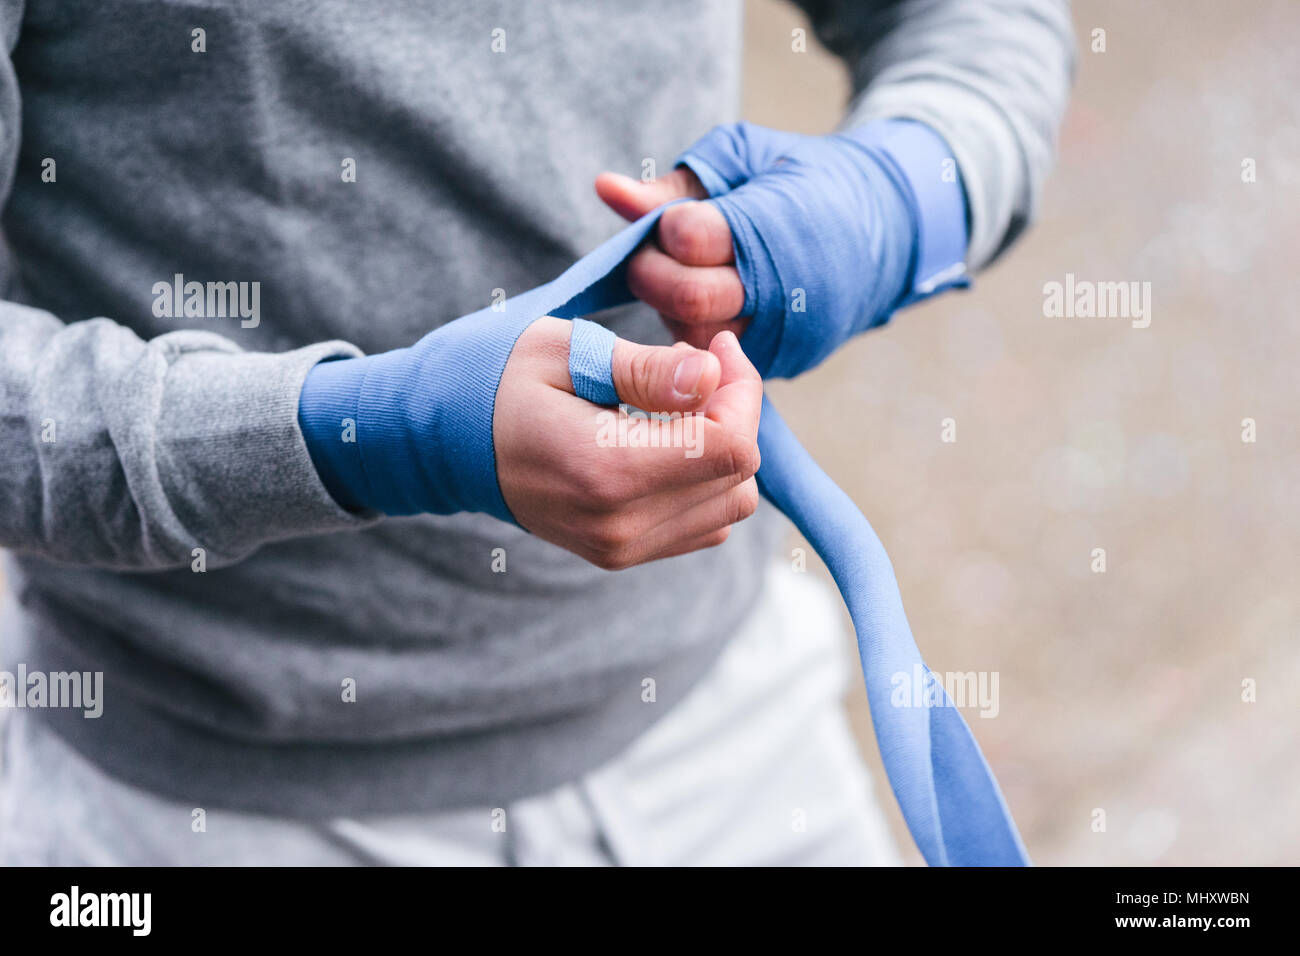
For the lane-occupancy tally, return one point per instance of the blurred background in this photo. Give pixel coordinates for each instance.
(1119, 691)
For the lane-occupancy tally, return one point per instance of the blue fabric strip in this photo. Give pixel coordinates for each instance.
(948, 795)
(947, 792)
(421, 434)
(832, 234)
(429, 448)
(591, 362)
(421, 439)
(921, 161)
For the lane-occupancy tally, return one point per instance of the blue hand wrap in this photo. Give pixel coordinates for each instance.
(424, 441)
(832, 234)
(420, 438)
(591, 362)
(945, 788)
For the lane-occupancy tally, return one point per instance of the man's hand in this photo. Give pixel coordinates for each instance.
(617, 506)
(688, 274)
(813, 238)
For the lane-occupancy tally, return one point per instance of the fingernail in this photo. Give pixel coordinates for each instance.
(686, 378)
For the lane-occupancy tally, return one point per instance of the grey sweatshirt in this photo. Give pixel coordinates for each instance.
(376, 169)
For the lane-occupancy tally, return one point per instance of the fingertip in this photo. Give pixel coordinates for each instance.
(695, 377)
(745, 455)
(621, 193)
(736, 365)
(724, 342)
(608, 181)
(632, 198)
(711, 377)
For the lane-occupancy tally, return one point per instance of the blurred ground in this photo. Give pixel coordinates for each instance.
(1119, 691)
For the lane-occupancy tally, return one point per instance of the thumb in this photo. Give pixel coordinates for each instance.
(632, 198)
(656, 378)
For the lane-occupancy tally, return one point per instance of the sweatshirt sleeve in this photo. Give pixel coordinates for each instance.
(991, 77)
(129, 454)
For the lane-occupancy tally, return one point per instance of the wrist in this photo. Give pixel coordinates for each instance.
(832, 234)
(410, 431)
(919, 164)
(327, 415)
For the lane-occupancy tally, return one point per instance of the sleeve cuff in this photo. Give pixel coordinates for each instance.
(244, 409)
(922, 160)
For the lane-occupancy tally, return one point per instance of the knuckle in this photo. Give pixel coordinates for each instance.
(593, 488)
(733, 507)
(685, 236)
(746, 501)
(744, 456)
(693, 299)
(601, 492)
(718, 537)
(602, 560)
(723, 456)
(641, 370)
(609, 536)
(617, 561)
(638, 278)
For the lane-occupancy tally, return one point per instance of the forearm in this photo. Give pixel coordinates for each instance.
(991, 78)
(129, 454)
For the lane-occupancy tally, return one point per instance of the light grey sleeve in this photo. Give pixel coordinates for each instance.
(126, 454)
(990, 76)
